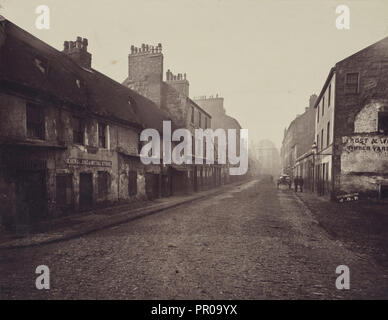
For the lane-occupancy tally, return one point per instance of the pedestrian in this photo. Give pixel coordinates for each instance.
(296, 182)
(300, 183)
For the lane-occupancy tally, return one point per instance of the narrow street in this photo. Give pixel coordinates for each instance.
(253, 242)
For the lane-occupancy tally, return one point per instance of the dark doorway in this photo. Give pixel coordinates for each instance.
(64, 194)
(85, 190)
(32, 196)
(195, 178)
(152, 185)
(166, 185)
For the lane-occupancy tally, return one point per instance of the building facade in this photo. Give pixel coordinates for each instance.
(69, 136)
(220, 120)
(145, 76)
(297, 145)
(351, 125)
(349, 155)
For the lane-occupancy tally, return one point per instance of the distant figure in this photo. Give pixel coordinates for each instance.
(296, 182)
(300, 181)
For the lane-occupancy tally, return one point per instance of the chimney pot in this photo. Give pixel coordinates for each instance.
(66, 46)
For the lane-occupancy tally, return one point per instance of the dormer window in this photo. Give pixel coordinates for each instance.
(42, 65)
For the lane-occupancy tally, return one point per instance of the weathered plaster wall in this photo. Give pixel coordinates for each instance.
(364, 162)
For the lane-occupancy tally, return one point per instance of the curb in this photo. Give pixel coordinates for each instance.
(115, 220)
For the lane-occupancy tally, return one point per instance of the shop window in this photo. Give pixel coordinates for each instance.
(103, 184)
(35, 121)
(78, 130)
(132, 183)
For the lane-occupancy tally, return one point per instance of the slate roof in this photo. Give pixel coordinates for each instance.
(62, 80)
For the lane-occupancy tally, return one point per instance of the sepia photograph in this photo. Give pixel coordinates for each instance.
(193, 154)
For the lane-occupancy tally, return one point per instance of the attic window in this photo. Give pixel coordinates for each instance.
(41, 64)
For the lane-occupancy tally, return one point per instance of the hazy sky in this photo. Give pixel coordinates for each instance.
(264, 57)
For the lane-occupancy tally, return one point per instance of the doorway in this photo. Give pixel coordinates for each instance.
(85, 191)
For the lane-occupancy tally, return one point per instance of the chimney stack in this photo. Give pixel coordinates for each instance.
(179, 82)
(77, 50)
(313, 99)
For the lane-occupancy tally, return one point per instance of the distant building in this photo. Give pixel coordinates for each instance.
(297, 143)
(214, 105)
(268, 158)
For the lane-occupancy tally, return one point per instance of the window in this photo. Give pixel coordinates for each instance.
(41, 64)
(329, 96)
(323, 106)
(78, 130)
(321, 139)
(205, 122)
(103, 180)
(192, 145)
(101, 135)
(35, 121)
(383, 122)
(199, 118)
(351, 84)
(192, 115)
(317, 142)
(318, 114)
(132, 183)
(328, 134)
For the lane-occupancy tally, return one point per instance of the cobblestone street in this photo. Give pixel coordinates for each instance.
(252, 242)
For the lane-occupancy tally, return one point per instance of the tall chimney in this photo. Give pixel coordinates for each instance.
(78, 51)
(312, 100)
(145, 71)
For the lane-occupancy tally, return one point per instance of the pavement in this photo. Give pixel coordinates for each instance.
(361, 225)
(249, 241)
(76, 225)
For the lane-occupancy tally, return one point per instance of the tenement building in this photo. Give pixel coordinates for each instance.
(351, 126)
(214, 105)
(69, 136)
(296, 150)
(145, 76)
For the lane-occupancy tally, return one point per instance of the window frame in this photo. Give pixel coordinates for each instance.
(32, 125)
(80, 130)
(102, 134)
(351, 84)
